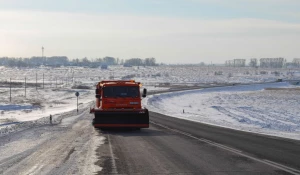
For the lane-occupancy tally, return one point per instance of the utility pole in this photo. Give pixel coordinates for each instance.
(10, 89)
(56, 83)
(36, 81)
(25, 87)
(43, 80)
(51, 82)
(73, 75)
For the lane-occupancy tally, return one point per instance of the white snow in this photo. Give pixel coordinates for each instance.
(248, 108)
(241, 107)
(42, 103)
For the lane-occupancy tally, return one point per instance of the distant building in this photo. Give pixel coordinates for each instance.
(296, 62)
(236, 63)
(253, 62)
(272, 62)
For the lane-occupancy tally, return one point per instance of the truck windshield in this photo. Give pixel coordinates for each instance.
(121, 91)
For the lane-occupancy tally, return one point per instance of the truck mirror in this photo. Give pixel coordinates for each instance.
(96, 91)
(144, 93)
(98, 96)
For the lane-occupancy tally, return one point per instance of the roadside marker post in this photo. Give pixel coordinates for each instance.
(77, 94)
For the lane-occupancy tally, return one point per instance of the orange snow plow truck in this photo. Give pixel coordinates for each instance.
(118, 105)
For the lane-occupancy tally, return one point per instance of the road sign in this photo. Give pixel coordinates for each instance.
(77, 94)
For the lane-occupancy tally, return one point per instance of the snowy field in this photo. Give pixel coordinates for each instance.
(41, 103)
(67, 76)
(56, 87)
(271, 109)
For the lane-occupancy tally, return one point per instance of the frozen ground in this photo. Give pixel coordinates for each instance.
(253, 108)
(55, 93)
(40, 103)
(67, 76)
(70, 146)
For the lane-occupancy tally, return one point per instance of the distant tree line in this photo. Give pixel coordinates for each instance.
(57, 61)
(34, 61)
(140, 62)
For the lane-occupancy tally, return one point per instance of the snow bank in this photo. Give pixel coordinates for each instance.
(63, 118)
(248, 108)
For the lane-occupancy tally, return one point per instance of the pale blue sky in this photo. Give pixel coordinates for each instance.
(173, 31)
(284, 10)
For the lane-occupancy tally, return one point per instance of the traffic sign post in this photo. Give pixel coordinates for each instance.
(77, 94)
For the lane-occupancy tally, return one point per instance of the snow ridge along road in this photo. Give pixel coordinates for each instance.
(66, 148)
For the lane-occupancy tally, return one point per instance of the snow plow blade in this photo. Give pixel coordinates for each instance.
(121, 119)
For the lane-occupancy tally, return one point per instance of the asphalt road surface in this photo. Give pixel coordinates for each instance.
(175, 146)
(169, 146)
